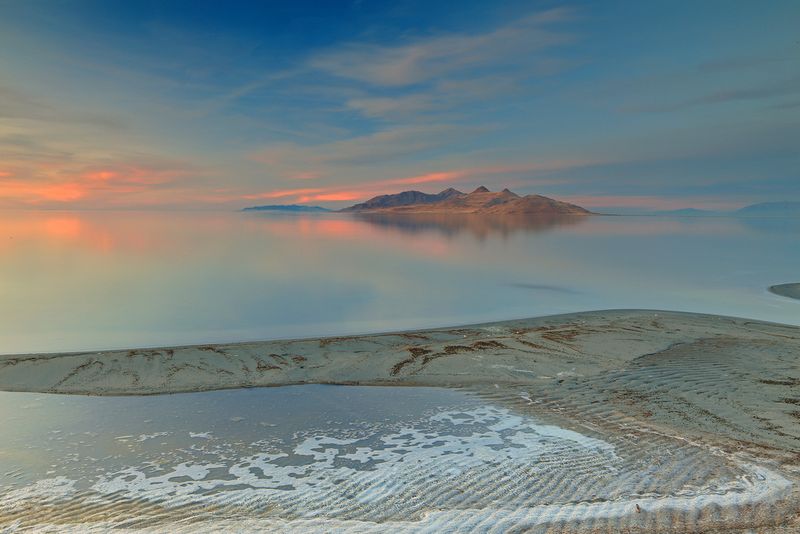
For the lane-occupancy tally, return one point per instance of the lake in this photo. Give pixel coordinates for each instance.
(98, 280)
(566, 452)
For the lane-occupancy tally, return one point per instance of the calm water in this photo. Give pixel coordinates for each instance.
(91, 280)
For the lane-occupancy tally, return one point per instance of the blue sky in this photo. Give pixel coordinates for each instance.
(211, 104)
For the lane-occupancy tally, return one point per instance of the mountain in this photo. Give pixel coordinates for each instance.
(480, 201)
(406, 198)
(764, 209)
(293, 208)
(771, 209)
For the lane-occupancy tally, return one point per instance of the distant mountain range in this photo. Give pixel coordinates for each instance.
(771, 209)
(505, 202)
(295, 208)
(763, 209)
(480, 201)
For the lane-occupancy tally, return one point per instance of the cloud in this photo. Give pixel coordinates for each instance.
(283, 193)
(413, 77)
(112, 183)
(15, 104)
(781, 88)
(382, 147)
(332, 197)
(428, 58)
(359, 191)
(305, 175)
(787, 87)
(446, 176)
(394, 107)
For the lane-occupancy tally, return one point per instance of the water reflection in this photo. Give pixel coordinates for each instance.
(789, 226)
(479, 226)
(96, 280)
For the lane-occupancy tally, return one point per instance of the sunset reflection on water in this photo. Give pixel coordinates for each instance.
(97, 279)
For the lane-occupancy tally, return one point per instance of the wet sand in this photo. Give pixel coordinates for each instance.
(647, 382)
(362, 459)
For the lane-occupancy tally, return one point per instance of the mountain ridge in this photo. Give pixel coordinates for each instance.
(759, 210)
(479, 201)
(782, 208)
(405, 198)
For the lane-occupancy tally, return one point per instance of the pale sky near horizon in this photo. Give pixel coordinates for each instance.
(200, 104)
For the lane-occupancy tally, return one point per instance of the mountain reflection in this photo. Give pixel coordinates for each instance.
(479, 226)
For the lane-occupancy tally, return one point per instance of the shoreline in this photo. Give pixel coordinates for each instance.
(714, 387)
(704, 374)
(596, 340)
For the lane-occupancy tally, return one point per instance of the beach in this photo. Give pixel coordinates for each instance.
(400, 267)
(718, 392)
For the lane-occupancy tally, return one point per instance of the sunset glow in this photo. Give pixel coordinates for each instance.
(366, 104)
(399, 266)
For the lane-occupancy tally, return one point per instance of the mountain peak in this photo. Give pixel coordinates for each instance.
(450, 191)
(481, 189)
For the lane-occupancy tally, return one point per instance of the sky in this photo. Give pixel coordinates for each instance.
(197, 104)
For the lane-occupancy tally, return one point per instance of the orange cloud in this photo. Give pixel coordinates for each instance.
(100, 176)
(283, 193)
(337, 194)
(35, 193)
(364, 191)
(132, 175)
(346, 193)
(50, 182)
(332, 197)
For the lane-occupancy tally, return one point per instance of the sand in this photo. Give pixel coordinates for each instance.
(733, 377)
(645, 380)
(531, 351)
(787, 290)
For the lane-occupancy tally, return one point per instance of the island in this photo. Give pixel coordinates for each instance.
(480, 201)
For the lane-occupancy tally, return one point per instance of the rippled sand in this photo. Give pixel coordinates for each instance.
(629, 421)
(443, 460)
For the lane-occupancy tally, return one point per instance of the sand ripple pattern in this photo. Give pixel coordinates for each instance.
(618, 421)
(484, 468)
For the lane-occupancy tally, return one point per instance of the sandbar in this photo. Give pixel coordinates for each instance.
(787, 290)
